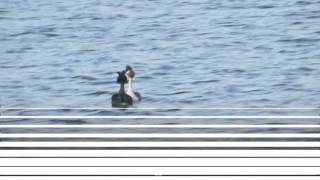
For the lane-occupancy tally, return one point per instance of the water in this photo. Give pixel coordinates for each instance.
(250, 53)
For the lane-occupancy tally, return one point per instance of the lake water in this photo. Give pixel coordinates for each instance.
(186, 54)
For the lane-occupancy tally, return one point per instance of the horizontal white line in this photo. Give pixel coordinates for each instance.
(160, 144)
(153, 108)
(160, 153)
(273, 135)
(160, 117)
(161, 171)
(160, 126)
(161, 177)
(158, 162)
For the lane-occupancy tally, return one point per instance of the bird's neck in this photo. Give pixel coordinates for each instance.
(121, 90)
(130, 87)
(130, 91)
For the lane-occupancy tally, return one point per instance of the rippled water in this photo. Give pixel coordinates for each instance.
(247, 53)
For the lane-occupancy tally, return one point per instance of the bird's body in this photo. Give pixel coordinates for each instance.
(121, 99)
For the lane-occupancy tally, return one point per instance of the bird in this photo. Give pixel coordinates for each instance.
(129, 73)
(121, 99)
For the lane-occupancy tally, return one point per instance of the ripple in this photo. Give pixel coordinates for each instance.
(301, 40)
(71, 122)
(297, 23)
(21, 34)
(51, 34)
(26, 66)
(175, 93)
(303, 2)
(206, 81)
(234, 70)
(313, 17)
(279, 85)
(97, 93)
(8, 67)
(84, 77)
(266, 6)
(305, 69)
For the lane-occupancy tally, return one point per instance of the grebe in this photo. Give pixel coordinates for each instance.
(130, 75)
(121, 99)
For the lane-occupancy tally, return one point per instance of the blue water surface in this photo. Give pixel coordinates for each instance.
(196, 53)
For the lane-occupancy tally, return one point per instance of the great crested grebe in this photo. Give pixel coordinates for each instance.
(129, 73)
(121, 99)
